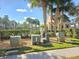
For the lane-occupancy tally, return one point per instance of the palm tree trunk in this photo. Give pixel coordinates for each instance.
(62, 19)
(74, 32)
(51, 15)
(57, 10)
(58, 20)
(58, 14)
(44, 14)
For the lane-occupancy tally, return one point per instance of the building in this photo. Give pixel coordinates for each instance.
(55, 24)
(50, 25)
(2, 26)
(77, 19)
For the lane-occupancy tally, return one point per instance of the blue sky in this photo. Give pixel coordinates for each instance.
(19, 9)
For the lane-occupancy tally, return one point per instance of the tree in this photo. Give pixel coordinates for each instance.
(30, 22)
(36, 21)
(62, 6)
(41, 3)
(50, 11)
(13, 24)
(6, 21)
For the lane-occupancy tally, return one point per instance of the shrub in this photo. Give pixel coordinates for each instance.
(36, 32)
(68, 32)
(77, 33)
(2, 52)
(5, 34)
(51, 34)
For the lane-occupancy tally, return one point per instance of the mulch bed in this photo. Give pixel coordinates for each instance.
(6, 43)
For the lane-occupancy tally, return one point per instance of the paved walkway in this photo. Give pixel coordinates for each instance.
(52, 54)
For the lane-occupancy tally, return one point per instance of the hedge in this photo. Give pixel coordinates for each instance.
(7, 33)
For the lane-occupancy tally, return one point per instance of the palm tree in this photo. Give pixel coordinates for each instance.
(62, 6)
(72, 12)
(41, 3)
(44, 13)
(57, 16)
(50, 11)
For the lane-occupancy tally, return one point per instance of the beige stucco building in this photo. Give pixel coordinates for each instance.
(55, 24)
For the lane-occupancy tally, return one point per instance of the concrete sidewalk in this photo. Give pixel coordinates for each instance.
(69, 52)
(52, 54)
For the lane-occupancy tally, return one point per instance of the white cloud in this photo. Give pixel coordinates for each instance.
(21, 10)
(29, 5)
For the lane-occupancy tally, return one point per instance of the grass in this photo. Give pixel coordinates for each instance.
(72, 38)
(37, 48)
(63, 45)
(53, 46)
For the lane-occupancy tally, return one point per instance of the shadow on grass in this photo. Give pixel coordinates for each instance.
(19, 50)
(74, 42)
(49, 45)
(45, 45)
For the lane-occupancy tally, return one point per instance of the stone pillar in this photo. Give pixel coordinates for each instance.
(35, 39)
(15, 41)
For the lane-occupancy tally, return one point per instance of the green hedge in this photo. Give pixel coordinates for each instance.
(2, 52)
(51, 34)
(68, 32)
(36, 32)
(7, 33)
(77, 33)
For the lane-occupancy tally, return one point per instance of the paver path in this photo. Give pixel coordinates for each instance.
(52, 54)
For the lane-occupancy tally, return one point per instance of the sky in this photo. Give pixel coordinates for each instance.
(19, 10)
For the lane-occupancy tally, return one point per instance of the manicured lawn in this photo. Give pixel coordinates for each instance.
(53, 46)
(75, 40)
(37, 48)
(72, 38)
